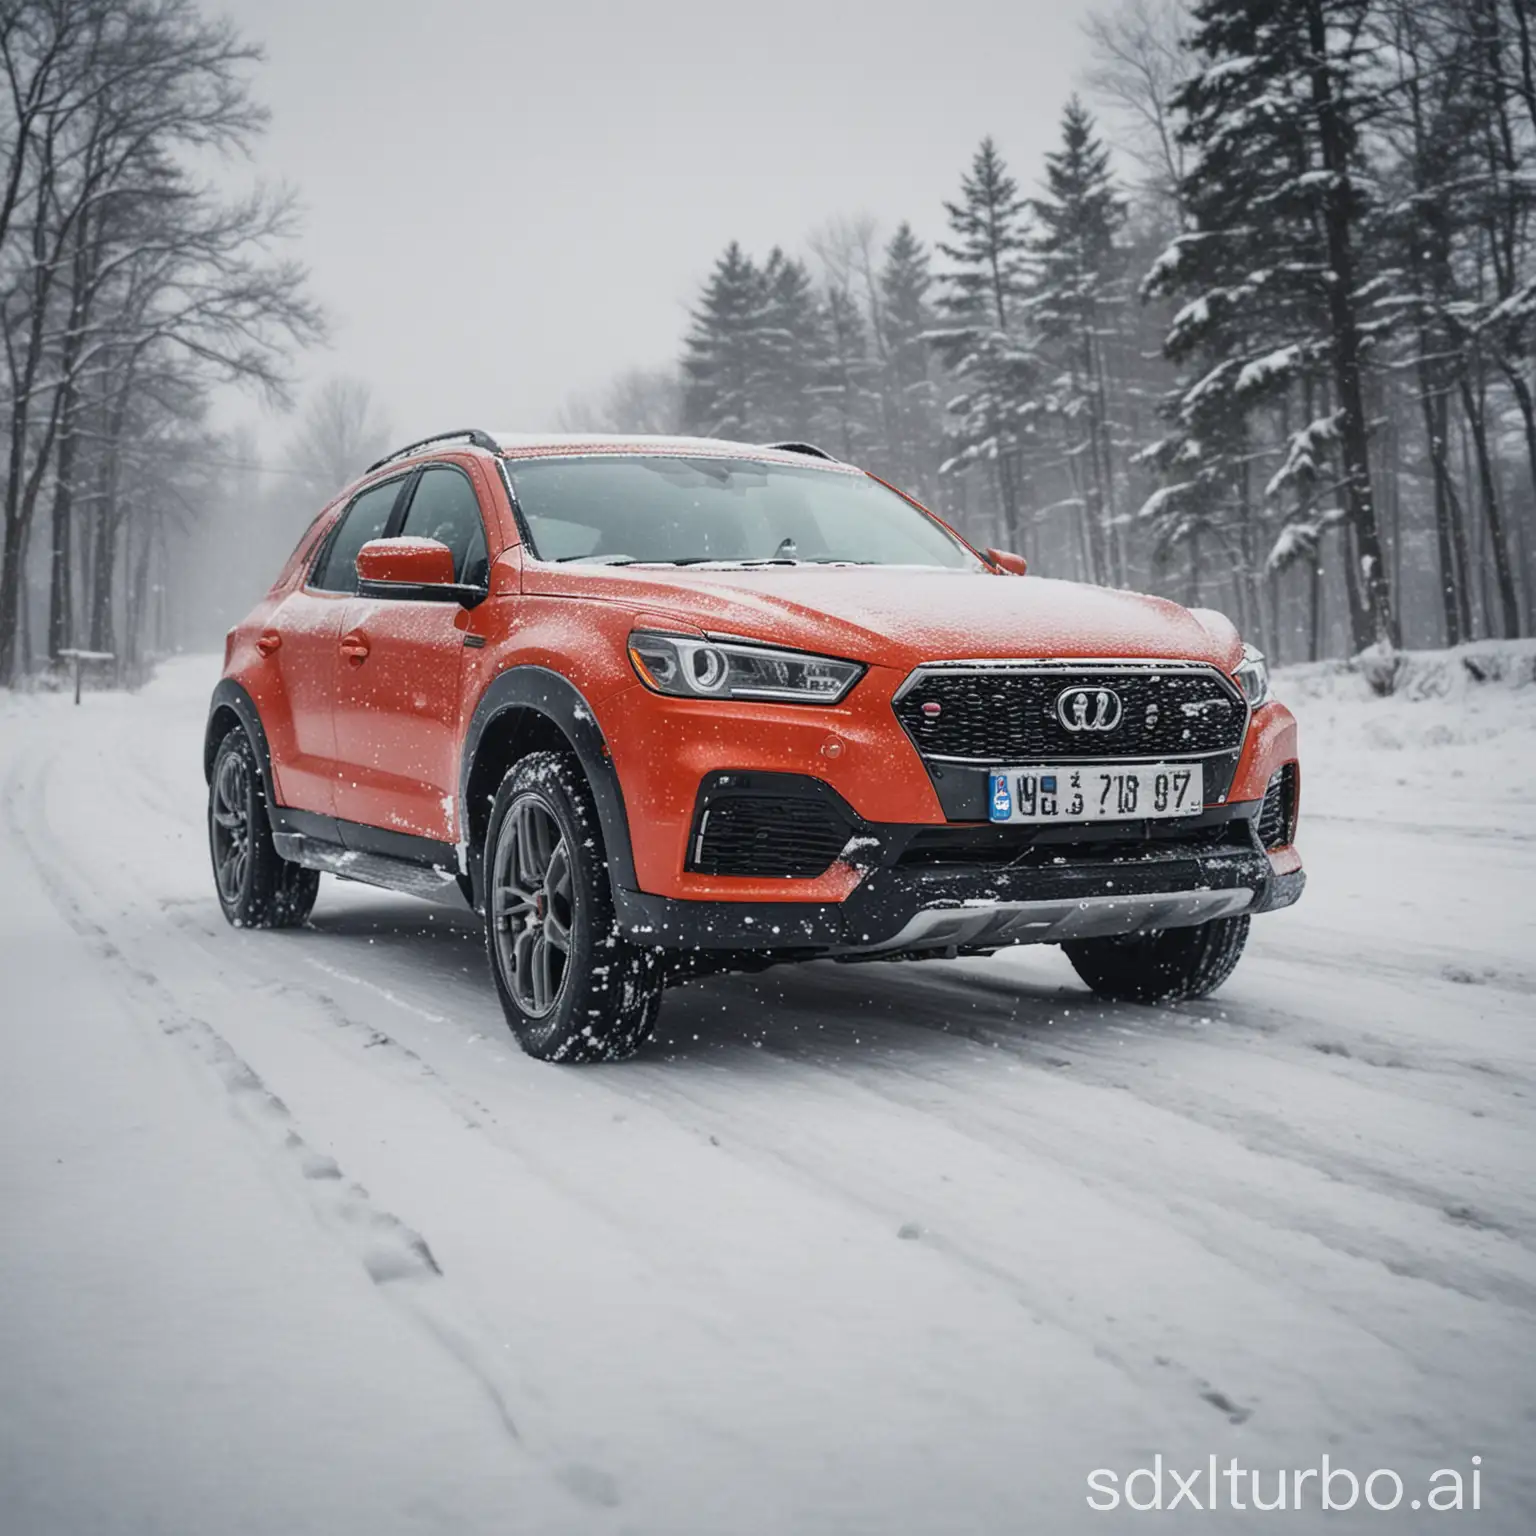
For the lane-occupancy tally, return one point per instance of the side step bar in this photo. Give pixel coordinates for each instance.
(431, 883)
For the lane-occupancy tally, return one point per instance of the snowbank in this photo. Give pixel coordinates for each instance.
(1459, 673)
(1459, 726)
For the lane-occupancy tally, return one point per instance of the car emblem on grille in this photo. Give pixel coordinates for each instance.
(1088, 709)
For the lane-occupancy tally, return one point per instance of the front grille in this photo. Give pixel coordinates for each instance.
(772, 836)
(1009, 715)
(1277, 816)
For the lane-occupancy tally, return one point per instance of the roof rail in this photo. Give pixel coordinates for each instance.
(476, 437)
(809, 449)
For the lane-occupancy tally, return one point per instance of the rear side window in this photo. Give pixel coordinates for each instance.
(365, 519)
(445, 507)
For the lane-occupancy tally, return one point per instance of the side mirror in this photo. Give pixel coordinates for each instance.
(418, 569)
(1015, 565)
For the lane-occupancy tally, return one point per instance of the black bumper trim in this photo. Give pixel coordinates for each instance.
(888, 899)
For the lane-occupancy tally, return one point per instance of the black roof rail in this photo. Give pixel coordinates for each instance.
(809, 449)
(476, 437)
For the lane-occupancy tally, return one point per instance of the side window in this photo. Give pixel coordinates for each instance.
(365, 519)
(446, 508)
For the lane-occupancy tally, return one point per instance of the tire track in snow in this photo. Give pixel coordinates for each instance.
(1449, 831)
(990, 1122)
(627, 1086)
(1150, 1374)
(715, 1101)
(1095, 1053)
(1277, 1140)
(395, 1257)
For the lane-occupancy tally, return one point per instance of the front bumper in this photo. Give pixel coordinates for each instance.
(1045, 897)
(663, 750)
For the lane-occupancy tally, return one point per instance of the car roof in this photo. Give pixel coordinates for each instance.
(532, 445)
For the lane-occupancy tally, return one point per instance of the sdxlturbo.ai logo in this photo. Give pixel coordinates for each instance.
(1241, 1488)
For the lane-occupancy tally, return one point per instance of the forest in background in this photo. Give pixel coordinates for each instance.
(130, 290)
(1257, 334)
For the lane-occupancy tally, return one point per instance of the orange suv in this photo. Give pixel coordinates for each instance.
(660, 707)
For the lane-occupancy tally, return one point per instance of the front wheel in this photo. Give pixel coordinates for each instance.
(257, 887)
(1164, 967)
(572, 987)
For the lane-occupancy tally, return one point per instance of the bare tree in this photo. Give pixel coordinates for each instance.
(340, 434)
(1139, 61)
(637, 400)
(119, 273)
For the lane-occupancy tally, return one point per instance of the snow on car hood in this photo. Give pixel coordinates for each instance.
(900, 615)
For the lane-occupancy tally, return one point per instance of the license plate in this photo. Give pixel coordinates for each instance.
(1104, 792)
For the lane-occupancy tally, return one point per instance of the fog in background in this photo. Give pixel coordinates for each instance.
(1131, 288)
(506, 205)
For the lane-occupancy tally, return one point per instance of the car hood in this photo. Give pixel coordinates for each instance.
(900, 616)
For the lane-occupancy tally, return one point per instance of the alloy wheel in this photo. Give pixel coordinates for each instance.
(231, 813)
(532, 905)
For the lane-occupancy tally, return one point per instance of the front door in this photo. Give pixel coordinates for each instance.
(306, 629)
(300, 646)
(399, 707)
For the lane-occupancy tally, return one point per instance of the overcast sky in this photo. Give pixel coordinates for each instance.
(511, 201)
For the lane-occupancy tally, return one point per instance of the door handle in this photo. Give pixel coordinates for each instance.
(268, 641)
(355, 649)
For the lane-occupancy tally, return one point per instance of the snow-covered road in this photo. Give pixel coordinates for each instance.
(296, 1240)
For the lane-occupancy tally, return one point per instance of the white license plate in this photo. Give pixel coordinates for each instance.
(1104, 792)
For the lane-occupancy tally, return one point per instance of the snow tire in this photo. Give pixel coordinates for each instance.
(257, 888)
(572, 987)
(1169, 966)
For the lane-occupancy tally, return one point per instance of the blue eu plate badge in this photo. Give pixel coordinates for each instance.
(1002, 801)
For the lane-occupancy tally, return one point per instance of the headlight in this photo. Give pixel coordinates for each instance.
(1252, 676)
(693, 668)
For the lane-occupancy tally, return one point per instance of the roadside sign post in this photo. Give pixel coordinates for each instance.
(80, 658)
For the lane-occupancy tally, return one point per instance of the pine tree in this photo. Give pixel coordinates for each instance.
(1433, 135)
(1079, 293)
(910, 413)
(726, 377)
(982, 340)
(795, 359)
(1273, 266)
(848, 397)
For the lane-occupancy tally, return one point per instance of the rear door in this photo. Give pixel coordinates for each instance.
(306, 626)
(399, 704)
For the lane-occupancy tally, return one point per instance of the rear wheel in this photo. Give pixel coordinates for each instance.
(1162, 967)
(572, 987)
(257, 888)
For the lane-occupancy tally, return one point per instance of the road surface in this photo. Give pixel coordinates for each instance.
(297, 1240)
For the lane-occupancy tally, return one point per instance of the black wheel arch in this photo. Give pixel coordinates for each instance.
(232, 706)
(525, 709)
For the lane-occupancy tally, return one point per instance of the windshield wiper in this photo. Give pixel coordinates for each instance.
(706, 560)
(729, 560)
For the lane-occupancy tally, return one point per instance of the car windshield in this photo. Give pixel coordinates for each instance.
(655, 509)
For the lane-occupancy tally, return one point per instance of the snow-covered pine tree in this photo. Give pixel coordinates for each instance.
(726, 378)
(1501, 199)
(1273, 265)
(848, 394)
(981, 337)
(1078, 295)
(911, 415)
(1431, 138)
(795, 358)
